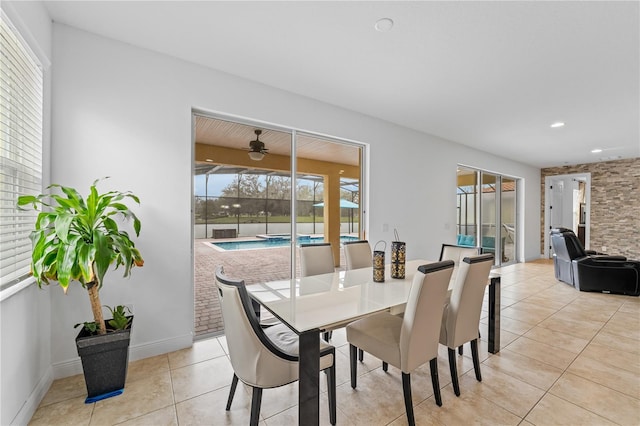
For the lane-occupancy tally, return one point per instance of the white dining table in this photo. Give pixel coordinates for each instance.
(314, 304)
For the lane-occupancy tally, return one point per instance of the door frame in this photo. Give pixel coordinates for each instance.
(585, 177)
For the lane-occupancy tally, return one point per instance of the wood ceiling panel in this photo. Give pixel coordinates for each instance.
(228, 134)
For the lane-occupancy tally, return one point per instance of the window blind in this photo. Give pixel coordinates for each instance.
(21, 88)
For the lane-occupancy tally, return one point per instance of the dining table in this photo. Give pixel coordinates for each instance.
(319, 303)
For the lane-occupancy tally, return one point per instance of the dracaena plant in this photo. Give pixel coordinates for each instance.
(78, 239)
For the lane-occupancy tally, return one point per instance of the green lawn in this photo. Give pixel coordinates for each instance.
(272, 219)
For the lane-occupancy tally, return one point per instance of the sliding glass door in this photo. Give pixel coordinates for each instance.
(486, 218)
(250, 211)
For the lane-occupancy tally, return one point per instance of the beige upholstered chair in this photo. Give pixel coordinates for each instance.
(357, 254)
(316, 259)
(407, 342)
(461, 316)
(263, 358)
(457, 253)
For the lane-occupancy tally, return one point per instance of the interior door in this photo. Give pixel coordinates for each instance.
(557, 206)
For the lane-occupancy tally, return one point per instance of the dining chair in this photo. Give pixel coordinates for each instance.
(357, 254)
(461, 315)
(457, 254)
(409, 341)
(316, 259)
(263, 357)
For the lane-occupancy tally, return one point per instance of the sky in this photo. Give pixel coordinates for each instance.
(217, 182)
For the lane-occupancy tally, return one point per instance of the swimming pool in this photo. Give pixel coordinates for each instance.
(274, 242)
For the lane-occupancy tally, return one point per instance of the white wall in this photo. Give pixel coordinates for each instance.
(25, 317)
(125, 112)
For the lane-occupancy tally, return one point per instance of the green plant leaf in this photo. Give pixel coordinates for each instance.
(104, 203)
(104, 254)
(92, 204)
(62, 225)
(65, 203)
(65, 260)
(110, 225)
(74, 196)
(120, 320)
(86, 256)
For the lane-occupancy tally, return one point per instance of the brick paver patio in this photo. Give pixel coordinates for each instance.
(254, 266)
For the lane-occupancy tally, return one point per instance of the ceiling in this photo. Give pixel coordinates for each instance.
(490, 75)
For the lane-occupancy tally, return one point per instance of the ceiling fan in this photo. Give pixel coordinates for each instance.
(257, 150)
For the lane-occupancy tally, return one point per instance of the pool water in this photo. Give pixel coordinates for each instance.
(274, 242)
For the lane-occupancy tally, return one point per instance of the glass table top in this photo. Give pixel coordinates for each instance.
(329, 301)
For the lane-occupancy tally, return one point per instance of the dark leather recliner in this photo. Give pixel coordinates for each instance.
(566, 248)
(590, 271)
(599, 273)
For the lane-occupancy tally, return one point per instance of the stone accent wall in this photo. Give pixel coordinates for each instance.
(615, 204)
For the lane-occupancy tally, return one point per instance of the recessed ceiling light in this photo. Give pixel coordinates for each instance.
(595, 151)
(383, 25)
(557, 124)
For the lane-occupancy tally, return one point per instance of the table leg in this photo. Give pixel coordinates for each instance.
(494, 315)
(309, 376)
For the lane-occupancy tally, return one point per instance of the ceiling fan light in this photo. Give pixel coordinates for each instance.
(256, 156)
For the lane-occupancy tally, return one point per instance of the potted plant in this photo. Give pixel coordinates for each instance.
(77, 239)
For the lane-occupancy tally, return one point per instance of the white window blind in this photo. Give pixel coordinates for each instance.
(21, 87)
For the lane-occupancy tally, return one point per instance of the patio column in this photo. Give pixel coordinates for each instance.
(332, 214)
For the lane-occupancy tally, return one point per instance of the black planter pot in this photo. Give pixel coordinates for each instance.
(104, 361)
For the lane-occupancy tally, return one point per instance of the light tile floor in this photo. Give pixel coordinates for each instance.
(567, 358)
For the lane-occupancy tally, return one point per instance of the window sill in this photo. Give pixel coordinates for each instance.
(14, 289)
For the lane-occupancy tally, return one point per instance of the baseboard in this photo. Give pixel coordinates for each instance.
(31, 404)
(160, 347)
(74, 366)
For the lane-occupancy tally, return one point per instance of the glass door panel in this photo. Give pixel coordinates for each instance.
(508, 220)
(467, 203)
(489, 235)
(241, 205)
(327, 191)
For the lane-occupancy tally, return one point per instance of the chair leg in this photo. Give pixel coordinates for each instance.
(460, 350)
(408, 402)
(331, 390)
(435, 381)
(232, 391)
(360, 355)
(256, 400)
(353, 353)
(476, 359)
(454, 371)
(385, 366)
